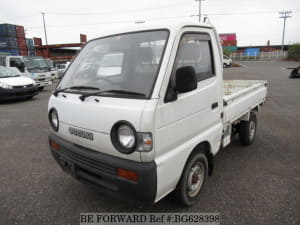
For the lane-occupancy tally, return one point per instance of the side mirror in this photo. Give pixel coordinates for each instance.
(186, 79)
(21, 67)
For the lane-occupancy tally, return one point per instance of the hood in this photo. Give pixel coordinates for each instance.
(17, 81)
(96, 115)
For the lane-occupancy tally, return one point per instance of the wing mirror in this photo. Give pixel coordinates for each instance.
(21, 67)
(186, 79)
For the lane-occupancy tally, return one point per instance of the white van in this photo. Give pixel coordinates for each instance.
(156, 126)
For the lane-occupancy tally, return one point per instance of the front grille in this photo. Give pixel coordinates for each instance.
(23, 86)
(41, 79)
(25, 93)
(83, 161)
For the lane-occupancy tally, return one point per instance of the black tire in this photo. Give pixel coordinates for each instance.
(224, 65)
(182, 194)
(247, 130)
(41, 88)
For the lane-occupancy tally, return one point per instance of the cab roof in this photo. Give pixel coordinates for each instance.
(172, 26)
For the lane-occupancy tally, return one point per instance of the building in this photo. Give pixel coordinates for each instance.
(59, 52)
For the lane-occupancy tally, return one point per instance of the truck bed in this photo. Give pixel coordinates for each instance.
(241, 96)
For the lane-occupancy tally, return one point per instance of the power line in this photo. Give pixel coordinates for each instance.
(21, 17)
(110, 22)
(245, 13)
(116, 12)
(155, 18)
(284, 16)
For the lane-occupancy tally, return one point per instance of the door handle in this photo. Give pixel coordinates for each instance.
(214, 105)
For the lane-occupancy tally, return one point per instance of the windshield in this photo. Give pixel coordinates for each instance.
(35, 63)
(49, 63)
(9, 72)
(128, 62)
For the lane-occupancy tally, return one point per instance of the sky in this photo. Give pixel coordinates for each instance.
(254, 21)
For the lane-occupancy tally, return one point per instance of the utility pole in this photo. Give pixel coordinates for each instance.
(199, 9)
(45, 28)
(284, 15)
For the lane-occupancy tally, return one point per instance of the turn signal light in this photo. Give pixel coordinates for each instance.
(128, 175)
(54, 145)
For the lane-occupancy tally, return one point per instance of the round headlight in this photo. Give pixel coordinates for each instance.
(53, 119)
(126, 136)
(123, 137)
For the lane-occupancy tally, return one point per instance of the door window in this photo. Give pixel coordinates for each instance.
(195, 51)
(15, 62)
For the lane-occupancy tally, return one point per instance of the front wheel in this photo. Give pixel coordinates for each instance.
(192, 180)
(247, 130)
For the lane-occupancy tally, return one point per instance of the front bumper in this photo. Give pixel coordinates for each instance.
(43, 83)
(101, 170)
(16, 93)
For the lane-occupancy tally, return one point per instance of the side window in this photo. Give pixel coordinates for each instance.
(15, 62)
(195, 51)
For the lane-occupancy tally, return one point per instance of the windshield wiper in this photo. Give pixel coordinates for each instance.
(34, 68)
(55, 93)
(84, 96)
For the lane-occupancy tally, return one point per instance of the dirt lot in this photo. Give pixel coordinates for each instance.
(259, 184)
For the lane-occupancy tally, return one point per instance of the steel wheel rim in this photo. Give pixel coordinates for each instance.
(251, 130)
(195, 179)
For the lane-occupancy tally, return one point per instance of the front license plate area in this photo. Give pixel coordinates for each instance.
(67, 166)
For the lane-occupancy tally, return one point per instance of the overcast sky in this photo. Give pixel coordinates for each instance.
(254, 21)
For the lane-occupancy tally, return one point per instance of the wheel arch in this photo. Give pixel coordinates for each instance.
(205, 148)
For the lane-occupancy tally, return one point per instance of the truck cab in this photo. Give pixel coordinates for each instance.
(52, 68)
(151, 122)
(34, 67)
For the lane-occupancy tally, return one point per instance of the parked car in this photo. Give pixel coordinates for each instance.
(155, 127)
(227, 62)
(60, 70)
(14, 86)
(34, 67)
(52, 68)
(295, 73)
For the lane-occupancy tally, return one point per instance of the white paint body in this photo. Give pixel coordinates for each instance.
(17, 81)
(227, 61)
(54, 74)
(177, 127)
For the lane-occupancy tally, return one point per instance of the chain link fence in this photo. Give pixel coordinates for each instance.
(261, 56)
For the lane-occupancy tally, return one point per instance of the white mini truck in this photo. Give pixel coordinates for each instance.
(153, 121)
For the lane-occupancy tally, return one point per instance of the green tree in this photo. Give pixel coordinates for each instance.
(226, 52)
(294, 52)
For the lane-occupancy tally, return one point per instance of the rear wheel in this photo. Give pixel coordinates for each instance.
(224, 65)
(247, 130)
(192, 180)
(41, 88)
